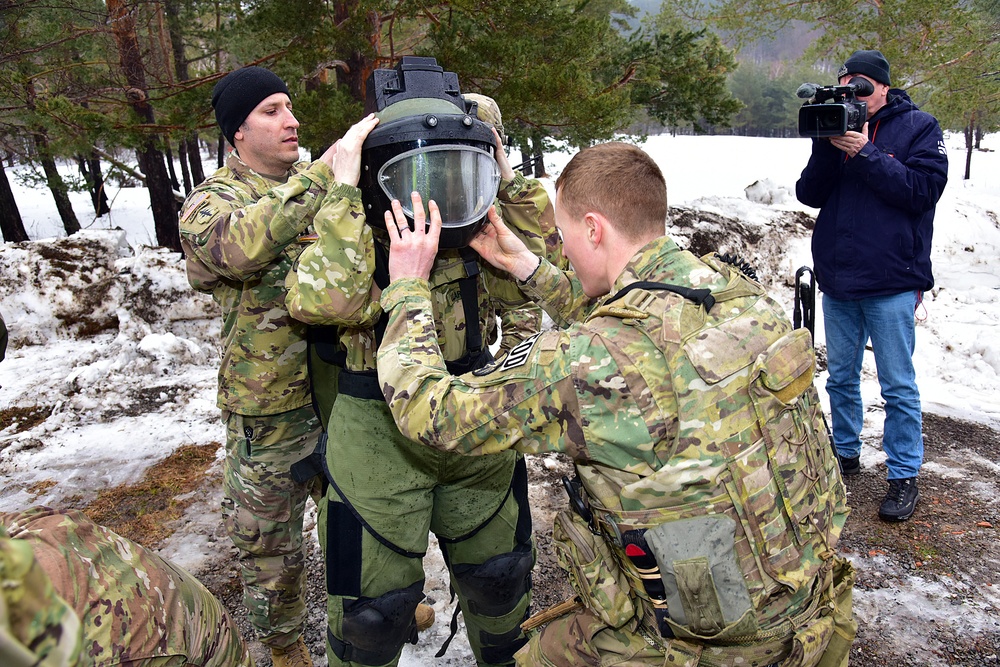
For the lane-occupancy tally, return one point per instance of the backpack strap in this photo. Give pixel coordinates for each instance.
(702, 297)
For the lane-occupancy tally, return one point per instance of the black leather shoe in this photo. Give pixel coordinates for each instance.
(850, 465)
(901, 500)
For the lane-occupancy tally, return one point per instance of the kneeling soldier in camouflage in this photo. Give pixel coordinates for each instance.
(708, 502)
(75, 593)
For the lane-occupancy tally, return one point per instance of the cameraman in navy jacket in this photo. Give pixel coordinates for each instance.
(876, 191)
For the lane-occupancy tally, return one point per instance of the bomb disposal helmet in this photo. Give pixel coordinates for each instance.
(428, 140)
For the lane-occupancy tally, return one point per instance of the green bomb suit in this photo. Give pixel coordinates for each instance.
(697, 423)
(387, 492)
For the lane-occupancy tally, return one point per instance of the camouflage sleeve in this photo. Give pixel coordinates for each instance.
(332, 281)
(516, 325)
(526, 402)
(224, 236)
(525, 206)
(559, 293)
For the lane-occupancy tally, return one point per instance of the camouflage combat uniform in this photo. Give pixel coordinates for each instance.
(239, 231)
(75, 593)
(387, 492)
(694, 426)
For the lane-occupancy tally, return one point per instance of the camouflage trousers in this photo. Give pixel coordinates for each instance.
(263, 510)
(401, 490)
(81, 594)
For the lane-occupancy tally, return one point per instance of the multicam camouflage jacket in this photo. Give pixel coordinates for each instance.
(693, 417)
(75, 593)
(239, 232)
(332, 282)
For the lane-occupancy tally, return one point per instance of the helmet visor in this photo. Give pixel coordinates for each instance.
(462, 180)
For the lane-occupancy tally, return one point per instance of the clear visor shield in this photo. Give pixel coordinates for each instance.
(462, 180)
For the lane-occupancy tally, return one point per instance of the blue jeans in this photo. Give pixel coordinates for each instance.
(888, 321)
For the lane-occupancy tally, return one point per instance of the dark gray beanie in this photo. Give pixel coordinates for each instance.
(869, 63)
(239, 92)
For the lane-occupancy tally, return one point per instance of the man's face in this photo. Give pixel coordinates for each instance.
(268, 139)
(877, 99)
(578, 249)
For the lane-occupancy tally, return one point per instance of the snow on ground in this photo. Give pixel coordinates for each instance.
(164, 346)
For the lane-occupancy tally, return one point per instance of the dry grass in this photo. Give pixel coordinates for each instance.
(143, 511)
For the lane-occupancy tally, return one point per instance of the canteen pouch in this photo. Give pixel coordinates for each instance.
(706, 593)
(593, 570)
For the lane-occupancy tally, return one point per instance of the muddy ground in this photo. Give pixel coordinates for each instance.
(927, 592)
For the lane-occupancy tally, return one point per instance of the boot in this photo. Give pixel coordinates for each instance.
(424, 616)
(296, 655)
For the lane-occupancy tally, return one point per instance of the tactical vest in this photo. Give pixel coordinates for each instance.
(730, 543)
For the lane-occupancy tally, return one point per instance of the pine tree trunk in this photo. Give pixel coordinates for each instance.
(60, 193)
(11, 225)
(91, 170)
(121, 15)
(100, 193)
(194, 159)
(174, 183)
(969, 144)
(182, 155)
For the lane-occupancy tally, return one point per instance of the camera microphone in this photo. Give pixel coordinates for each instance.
(862, 87)
(807, 90)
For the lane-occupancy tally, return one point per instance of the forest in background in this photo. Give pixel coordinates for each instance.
(122, 88)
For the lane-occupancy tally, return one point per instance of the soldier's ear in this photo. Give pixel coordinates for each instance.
(594, 224)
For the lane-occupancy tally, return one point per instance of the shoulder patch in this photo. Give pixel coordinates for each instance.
(193, 207)
(485, 370)
(519, 354)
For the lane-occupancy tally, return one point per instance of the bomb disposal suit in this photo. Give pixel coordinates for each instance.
(708, 503)
(386, 492)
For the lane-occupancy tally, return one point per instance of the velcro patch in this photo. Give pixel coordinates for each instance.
(519, 355)
(194, 206)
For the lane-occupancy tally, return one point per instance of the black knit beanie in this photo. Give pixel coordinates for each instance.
(239, 92)
(869, 63)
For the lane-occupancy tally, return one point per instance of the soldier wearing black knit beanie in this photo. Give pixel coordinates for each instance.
(239, 92)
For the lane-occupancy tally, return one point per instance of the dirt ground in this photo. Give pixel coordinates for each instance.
(950, 546)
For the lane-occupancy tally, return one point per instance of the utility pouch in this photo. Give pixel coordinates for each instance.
(593, 570)
(706, 593)
(826, 640)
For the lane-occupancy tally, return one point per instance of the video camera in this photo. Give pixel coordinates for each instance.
(832, 111)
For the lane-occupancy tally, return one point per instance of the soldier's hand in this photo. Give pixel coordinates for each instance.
(344, 157)
(412, 251)
(503, 249)
(506, 171)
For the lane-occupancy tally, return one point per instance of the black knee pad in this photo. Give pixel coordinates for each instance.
(375, 629)
(495, 587)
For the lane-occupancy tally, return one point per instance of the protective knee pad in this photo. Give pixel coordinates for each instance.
(375, 629)
(495, 587)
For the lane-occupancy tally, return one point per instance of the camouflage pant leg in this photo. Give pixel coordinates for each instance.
(263, 510)
(580, 639)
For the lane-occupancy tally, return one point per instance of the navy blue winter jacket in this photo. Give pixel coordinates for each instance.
(873, 232)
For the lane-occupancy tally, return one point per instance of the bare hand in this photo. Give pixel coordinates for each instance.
(344, 157)
(501, 248)
(506, 171)
(852, 142)
(412, 252)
